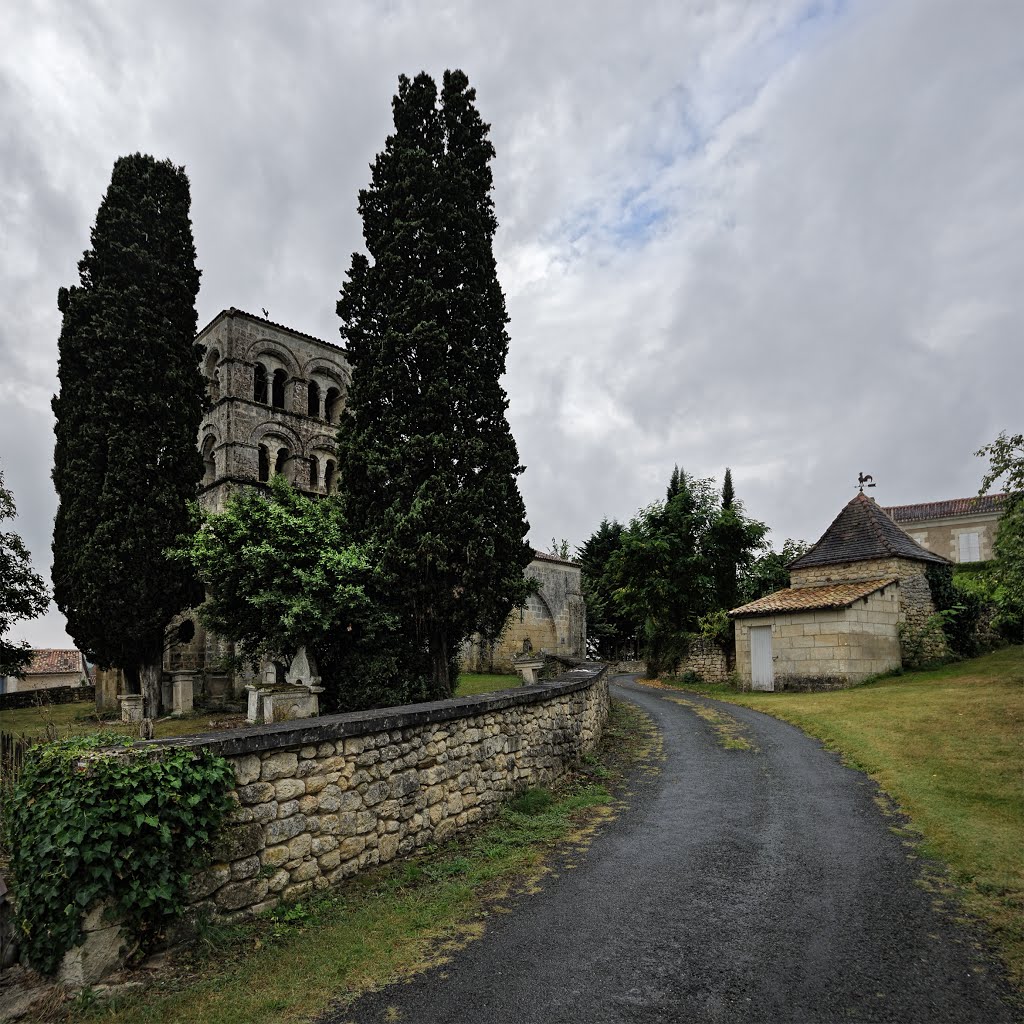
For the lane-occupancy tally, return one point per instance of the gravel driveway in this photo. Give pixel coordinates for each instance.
(758, 885)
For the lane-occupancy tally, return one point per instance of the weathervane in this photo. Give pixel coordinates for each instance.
(865, 480)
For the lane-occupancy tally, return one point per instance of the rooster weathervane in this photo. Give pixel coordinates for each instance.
(865, 480)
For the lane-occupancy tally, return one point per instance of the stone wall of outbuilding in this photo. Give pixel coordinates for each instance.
(322, 799)
(829, 649)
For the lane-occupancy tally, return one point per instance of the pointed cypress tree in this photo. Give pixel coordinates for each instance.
(128, 413)
(728, 494)
(427, 464)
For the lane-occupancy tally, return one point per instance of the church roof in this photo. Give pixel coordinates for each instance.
(862, 531)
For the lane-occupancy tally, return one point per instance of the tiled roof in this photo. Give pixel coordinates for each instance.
(809, 599)
(860, 532)
(53, 659)
(946, 509)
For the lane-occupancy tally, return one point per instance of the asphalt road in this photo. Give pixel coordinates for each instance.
(738, 885)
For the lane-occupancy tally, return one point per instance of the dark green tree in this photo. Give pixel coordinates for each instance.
(663, 571)
(23, 593)
(769, 571)
(610, 634)
(728, 493)
(731, 545)
(427, 463)
(129, 409)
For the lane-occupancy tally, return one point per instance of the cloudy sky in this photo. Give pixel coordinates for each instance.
(780, 236)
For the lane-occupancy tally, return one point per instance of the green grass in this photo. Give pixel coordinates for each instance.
(390, 923)
(948, 746)
(78, 719)
(483, 682)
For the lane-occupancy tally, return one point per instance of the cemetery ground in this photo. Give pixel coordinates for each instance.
(63, 720)
(386, 925)
(947, 746)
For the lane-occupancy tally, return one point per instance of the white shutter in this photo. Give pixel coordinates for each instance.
(970, 548)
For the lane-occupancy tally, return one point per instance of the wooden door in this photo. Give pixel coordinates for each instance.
(762, 669)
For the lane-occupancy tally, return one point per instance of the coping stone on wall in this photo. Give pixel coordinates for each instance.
(310, 731)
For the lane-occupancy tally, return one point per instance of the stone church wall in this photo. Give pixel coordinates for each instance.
(553, 621)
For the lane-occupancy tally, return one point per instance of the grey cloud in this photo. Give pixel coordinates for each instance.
(779, 237)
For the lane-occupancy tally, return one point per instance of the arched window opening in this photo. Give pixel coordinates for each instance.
(329, 476)
(313, 403)
(212, 374)
(259, 390)
(264, 470)
(282, 458)
(314, 473)
(209, 462)
(331, 404)
(277, 394)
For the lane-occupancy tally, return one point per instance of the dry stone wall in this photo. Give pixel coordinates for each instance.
(321, 800)
(707, 660)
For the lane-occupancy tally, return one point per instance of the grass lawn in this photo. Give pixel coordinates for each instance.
(948, 746)
(389, 923)
(483, 682)
(78, 719)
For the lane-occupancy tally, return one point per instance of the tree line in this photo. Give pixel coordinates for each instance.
(675, 570)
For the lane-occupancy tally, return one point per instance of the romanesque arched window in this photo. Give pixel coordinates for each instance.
(209, 462)
(264, 463)
(329, 476)
(282, 458)
(277, 389)
(331, 402)
(212, 374)
(314, 473)
(313, 402)
(259, 389)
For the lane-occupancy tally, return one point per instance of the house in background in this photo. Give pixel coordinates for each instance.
(962, 529)
(838, 622)
(48, 668)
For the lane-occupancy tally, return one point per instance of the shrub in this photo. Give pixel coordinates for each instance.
(91, 825)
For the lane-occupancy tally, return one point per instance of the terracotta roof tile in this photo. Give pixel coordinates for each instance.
(52, 659)
(946, 509)
(862, 531)
(808, 599)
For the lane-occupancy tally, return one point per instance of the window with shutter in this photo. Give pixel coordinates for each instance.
(970, 548)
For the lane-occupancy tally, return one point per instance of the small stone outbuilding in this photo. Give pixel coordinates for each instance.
(838, 622)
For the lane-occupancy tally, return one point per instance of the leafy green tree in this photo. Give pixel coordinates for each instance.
(427, 464)
(769, 571)
(732, 543)
(609, 632)
(130, 404)
(665, 577)
(281, 572)
(1006, 466)
(23, 594)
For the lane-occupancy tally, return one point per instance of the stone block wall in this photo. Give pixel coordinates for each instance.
(707, 660)
(320, 800)
(829, 649)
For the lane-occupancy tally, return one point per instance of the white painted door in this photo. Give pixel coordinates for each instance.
(762, 670)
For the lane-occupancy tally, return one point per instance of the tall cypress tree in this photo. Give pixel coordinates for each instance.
(128, 412)
(427, 463)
